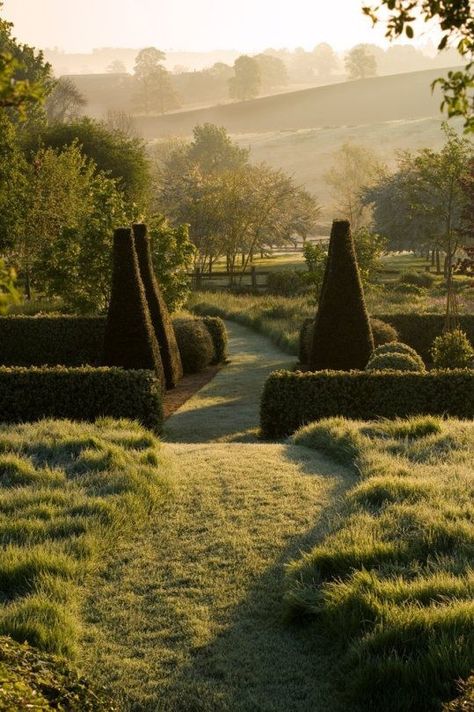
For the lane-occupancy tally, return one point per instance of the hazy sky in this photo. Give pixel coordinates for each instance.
(244, 25)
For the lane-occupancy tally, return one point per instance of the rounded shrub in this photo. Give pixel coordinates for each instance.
(412, 289)
(396, 347)
(195, 344)
(286, 283)
(395, 362)
(383, 333)
(418, 279)
(452, 350)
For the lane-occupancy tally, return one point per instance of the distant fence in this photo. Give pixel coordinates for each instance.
(256, 279)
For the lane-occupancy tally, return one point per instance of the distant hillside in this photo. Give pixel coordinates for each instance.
(308, 154)
(398, 97)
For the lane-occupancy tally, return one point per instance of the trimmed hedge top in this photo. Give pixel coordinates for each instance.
(293, 399)
(29, 394)
(76, 341)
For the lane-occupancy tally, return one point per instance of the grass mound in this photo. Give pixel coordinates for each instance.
(67, 491)
(32, 680)
(392, 583)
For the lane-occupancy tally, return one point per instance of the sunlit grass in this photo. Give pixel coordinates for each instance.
(392, 584)
(68, 492)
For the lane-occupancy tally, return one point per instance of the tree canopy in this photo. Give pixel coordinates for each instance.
(455, 20)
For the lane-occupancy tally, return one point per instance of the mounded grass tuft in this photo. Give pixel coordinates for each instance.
(392, 584)
(67, 492)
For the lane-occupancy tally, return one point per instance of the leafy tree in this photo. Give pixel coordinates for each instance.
(325, 59)
(8, 292)
(455, 19)
(246, 82)
(121, 156)
(13, 183)
(426, 198)
(360, 63)
(173, 255)
(272, 70)
(117, 67)
(355, 167)
(213, 151)
(154, 89)
(65, 101)
(25, 78)
(467, 217)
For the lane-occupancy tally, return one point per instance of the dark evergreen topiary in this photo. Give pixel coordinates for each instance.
(129, 339)
(342, 337)
(160, 317)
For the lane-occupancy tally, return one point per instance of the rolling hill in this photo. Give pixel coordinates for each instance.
(397, 97)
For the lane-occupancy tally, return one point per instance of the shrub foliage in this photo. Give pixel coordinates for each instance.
(452, 350)
(130, 340)
(78, 341)
(291, 399)
(160, 318)
(342, 336)
(196, 344)
(395, 361)
(29, 394)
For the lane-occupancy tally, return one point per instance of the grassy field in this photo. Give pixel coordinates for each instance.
(190, 613)
(391, 585)
(68, 492)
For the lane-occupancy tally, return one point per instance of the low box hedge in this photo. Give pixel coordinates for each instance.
(29, 394)
(420, 330)
(78, 341)
(293, 399)
(417, 330)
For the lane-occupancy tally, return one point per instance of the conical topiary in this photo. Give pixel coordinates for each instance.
(160, 318)
(130, 340)
(342, 337)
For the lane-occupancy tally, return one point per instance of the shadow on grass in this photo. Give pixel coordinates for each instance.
(260, 661)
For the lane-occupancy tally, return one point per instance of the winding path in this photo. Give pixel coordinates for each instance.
(190, 615)
(227, 408)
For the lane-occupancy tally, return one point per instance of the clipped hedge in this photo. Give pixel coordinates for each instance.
(420, 330)
(29, 394)
(195, 344)
(51, 340)
(293, 399)
(417, 330)
(77, 341)
(218, 332)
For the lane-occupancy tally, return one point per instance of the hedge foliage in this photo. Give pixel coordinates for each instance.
(160, 317)
(129, 339)
(382, 333)
(196, 344)
(417, 330)
(77, 341)
(420, 330)
(393, 361)
(29, 394)
(342, 337)
(293, 399)
(34, 680)
(218, 332)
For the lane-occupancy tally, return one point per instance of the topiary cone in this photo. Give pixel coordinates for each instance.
(342, 338)
(160, 317)
(130, 340)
